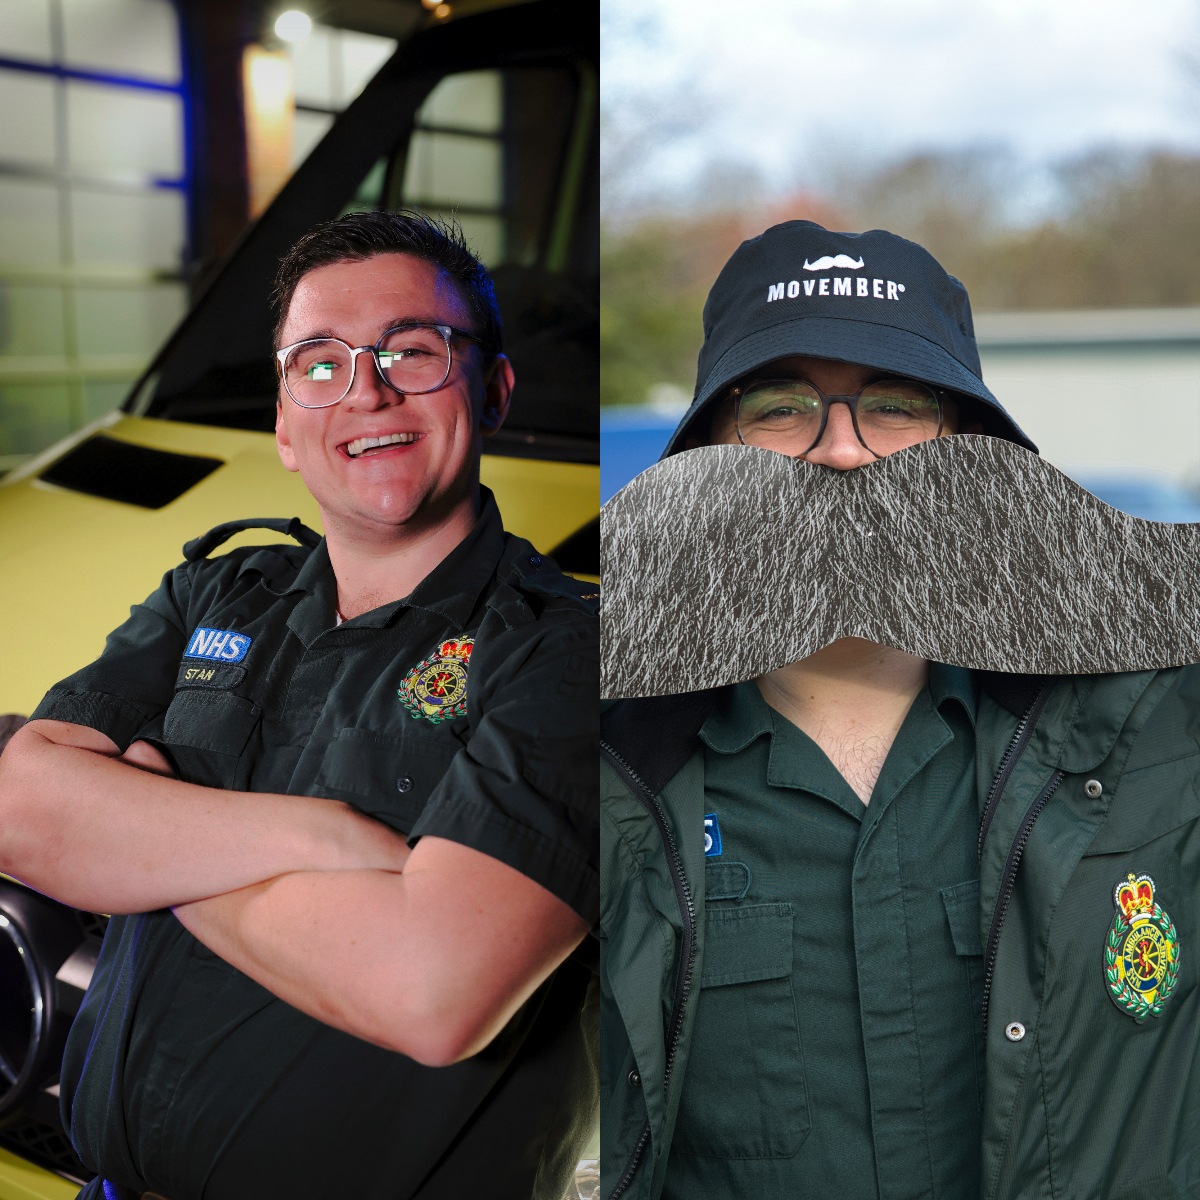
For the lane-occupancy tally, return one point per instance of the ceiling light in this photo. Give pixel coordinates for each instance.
(293, 25)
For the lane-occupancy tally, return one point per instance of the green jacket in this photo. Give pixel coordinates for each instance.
(1082, 1100)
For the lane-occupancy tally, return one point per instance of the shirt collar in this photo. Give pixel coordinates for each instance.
(741, 714)
(450, 590)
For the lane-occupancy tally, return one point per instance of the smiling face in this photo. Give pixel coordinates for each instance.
(380, 462)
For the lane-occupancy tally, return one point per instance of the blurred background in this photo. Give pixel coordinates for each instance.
(139, 139)
(1047, 152)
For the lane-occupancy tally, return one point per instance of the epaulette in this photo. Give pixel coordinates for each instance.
(202, 547)
(535, 572)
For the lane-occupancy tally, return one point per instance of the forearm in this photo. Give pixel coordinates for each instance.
(100, 834)
(413, 962)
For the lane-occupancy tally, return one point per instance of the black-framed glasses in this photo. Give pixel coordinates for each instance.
(790, 415)
(410, 359)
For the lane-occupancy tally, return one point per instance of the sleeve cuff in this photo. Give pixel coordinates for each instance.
(111, 715)
(575, 882)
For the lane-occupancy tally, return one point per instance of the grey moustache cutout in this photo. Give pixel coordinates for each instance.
(726, 562)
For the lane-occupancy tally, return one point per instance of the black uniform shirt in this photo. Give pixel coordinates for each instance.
(467, 711)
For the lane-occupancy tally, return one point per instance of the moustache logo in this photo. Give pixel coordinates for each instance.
(837, 260)
(726, 562)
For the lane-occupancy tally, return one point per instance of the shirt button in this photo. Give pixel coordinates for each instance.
(1094, 788)
(534, 561)
(1014, 1031)
(635, 1080)
(404, 783)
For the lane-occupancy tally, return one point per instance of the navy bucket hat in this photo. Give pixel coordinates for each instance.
(871, 298)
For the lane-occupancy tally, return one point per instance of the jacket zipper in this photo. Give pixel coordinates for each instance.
(1016, 747)
(687, 954)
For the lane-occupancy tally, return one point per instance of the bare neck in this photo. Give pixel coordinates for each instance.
(851, 698)
(373, 567)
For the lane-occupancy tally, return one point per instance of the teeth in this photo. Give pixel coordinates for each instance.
(355, 448)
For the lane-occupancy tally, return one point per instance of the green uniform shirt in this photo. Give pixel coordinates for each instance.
(466, 711)
(837, 1038)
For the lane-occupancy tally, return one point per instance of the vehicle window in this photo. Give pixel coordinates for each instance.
(509, 153)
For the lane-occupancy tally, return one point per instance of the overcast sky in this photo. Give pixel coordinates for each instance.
(790, 87)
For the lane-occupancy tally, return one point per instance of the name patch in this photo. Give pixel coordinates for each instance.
(218, 645)
(221, 675)
(712, 836)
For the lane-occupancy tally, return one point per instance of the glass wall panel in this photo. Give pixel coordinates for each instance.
(29, 136)
(309, 129)
(102, 396)
(472, 100)
(362, 54)
(25, 29)
(119, 131)
(485, 235)
(125, 321)
(32, 415)
(31, 320)
(91, 242)
(142, 229)
(125, 37)
(28, 224)
(312, 63)
(449, 168)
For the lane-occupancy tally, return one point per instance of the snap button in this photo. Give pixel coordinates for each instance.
(635, 1080)
(1014, 1031)
(534, 561)
(1093, 787)
(404, 783)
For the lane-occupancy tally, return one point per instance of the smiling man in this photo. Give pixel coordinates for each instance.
(341, 790)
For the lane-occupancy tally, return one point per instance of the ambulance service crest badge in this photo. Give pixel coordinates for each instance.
(1141, 955)
(436, 688)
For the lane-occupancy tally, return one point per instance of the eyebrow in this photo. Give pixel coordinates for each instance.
(390, 323)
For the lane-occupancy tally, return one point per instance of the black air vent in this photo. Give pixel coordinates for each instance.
(580, 553)
(113, 470)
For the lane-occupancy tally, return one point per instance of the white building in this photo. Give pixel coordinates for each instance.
(1102, 392)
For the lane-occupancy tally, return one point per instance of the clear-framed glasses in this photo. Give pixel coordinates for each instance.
(411, 359)
(789, 415)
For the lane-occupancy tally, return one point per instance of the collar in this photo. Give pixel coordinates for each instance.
(451, 590)
(741, 714)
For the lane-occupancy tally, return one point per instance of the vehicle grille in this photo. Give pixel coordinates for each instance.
(46, 1146)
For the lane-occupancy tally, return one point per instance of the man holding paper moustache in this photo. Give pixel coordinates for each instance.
(342, 792)
(875, 925)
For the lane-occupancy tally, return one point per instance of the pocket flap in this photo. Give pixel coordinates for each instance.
(726, 881)
(205, 719)
(388, 776)
(747, 943)
(962, 910)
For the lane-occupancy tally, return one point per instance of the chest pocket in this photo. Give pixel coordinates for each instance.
(744, 1094)
(207, 731)
(389, 776)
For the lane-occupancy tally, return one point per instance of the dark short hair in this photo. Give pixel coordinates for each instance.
(361, 235)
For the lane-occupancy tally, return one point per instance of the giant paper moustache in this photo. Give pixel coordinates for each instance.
(723, 563)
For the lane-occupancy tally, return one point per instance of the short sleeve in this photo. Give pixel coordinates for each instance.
(525, 789)
(131, 684)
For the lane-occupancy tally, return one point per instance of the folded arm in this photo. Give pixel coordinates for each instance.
(110, 833)
(431, 963)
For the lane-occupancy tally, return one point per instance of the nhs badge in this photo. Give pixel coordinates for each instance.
(712, 836)
(218, 645)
